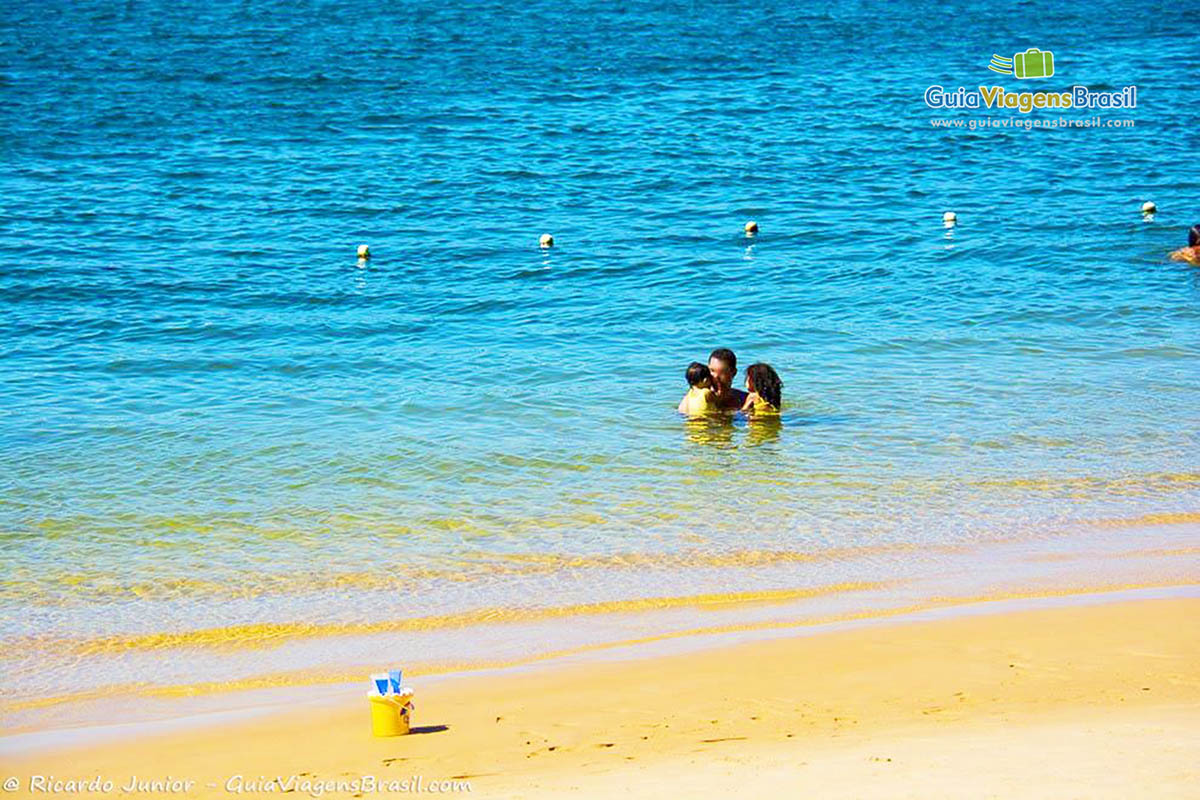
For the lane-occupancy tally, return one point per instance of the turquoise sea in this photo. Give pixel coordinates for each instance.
(229, 450)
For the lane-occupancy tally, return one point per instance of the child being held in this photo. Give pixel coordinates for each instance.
(765, 390)
(700, 398)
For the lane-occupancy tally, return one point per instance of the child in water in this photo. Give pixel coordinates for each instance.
(765, 390)
(700, 398)
(1191, 253)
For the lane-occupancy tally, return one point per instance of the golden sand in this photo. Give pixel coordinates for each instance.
(1067, 702)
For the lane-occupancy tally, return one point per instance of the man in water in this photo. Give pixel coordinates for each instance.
(1191, 253)
(722, 367)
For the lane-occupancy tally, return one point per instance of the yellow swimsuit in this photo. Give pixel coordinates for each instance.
(699, 401)
(763, 407)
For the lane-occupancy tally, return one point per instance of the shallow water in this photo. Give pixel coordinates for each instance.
(212, 415)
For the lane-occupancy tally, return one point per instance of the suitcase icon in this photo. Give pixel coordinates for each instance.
(1033, 63)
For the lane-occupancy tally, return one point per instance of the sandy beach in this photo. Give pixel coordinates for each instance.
(684, 413)
(1078, 701)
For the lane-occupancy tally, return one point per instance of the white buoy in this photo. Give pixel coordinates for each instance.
(751, 228)
(950, 217)
(546, 241)
(364, 251)
(1148, 207)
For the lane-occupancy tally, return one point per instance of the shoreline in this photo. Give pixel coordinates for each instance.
(1067, 662)
(145, 671)
(208, 704)
(265, 695)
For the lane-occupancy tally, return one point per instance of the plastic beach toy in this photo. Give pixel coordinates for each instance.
(391, 704)
(390, 713)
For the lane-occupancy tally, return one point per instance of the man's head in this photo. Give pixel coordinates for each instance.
(722, 365)
(1194, 236)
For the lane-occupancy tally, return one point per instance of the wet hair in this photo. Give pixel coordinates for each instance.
(1194, 236)
(697, 374)
(726, 355)
(765, 381)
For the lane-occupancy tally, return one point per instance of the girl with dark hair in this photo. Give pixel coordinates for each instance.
(765, 390)
(700, 398)
(1191, 253)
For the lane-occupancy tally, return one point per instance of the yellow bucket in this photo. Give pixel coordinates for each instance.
(389, 714)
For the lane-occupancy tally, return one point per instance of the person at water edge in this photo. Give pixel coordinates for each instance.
(722, 366)
(700, 398)
(764, 390)
(1191, 253)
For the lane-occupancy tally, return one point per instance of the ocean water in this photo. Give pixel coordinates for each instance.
(230, 450)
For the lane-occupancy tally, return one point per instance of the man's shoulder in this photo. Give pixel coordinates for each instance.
(736, 398)
(1188, 254)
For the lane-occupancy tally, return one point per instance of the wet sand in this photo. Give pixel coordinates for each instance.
(1079, 701)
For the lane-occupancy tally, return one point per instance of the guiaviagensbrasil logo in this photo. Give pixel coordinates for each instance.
(1024, 65)
(1033, 63)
